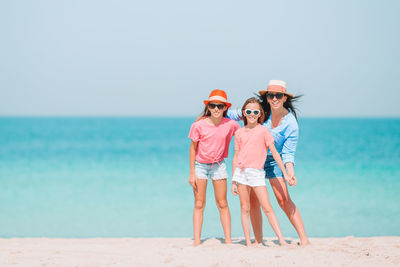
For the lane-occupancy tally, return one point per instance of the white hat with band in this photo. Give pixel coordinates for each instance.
(276, 86)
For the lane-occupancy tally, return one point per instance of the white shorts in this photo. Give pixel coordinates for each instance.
(250, 176)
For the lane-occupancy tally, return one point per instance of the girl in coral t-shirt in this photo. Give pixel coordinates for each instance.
(210, 143)
(251, 146)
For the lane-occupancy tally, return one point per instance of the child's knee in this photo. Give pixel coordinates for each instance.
(199, 205)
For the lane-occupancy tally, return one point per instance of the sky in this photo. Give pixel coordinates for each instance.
(163, 58)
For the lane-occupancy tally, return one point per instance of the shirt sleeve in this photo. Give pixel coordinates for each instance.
(234, 114)
(268, 138)
(194, 133)
(290, 144)
(237, 143)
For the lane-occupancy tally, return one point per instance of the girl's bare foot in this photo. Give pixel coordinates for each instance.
(196, 243)
(228, 241)
(305, 242)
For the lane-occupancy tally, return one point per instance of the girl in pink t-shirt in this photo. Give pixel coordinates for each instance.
(251, 146)
(210, 143)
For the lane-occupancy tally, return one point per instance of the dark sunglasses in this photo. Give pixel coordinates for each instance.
(277, 95)
(219, 106)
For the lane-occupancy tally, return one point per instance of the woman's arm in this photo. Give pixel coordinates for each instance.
(234, 114)
(234, 185)
(192, 157)
(279, 161)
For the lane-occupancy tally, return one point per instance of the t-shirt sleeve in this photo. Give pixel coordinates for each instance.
(235, 127)
(268, 138)
(194, 133)
(237, 142)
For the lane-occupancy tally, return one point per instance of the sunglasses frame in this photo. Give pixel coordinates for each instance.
(252, 112)
(219, 106)
(278, 96)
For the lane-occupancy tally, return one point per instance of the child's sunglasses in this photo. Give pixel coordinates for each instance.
(252, 112)
(277, 95)
(219, 106)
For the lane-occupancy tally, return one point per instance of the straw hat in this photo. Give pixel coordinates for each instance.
(276, 86)
(218, 96)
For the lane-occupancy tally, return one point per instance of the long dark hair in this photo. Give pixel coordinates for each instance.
(253, 100)
(288, 104)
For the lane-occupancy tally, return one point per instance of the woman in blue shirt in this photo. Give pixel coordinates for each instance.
(281, 121)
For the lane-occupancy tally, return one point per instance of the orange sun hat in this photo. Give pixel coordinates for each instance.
(218, 95)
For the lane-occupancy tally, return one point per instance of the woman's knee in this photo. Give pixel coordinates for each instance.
(285, 202)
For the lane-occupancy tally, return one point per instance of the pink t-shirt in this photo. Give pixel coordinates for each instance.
(213, 140)
(252, 146)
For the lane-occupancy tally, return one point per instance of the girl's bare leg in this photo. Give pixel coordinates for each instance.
(256, 217)
(282, 196)
(262, 195)
(244, 195)
(199, 204)
(222, 204)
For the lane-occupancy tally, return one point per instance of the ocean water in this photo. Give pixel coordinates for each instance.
(128, 177)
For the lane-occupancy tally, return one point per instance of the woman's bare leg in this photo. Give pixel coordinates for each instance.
(244, 195)
(282, 196)
(262, 195)
(199, 204)
(222, 204)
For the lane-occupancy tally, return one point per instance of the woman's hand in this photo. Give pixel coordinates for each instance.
(234, 189)
(292, 180)
(192, 181)
(290, 170)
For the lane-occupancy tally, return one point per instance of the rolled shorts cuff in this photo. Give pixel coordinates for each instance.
(249, 176)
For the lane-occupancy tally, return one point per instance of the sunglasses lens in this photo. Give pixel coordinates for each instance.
(213, 106)
(248, 112)
(256, 112)
(277, 95)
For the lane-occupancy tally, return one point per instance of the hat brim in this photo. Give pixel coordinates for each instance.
(262, 92)
(226, 103)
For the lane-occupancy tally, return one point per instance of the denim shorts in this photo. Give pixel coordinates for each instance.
(249, 176)
(272, 169)
(215, 171)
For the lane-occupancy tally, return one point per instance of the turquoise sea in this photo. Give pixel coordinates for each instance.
(128, 177)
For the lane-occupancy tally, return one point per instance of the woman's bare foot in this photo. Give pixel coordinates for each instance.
(228, 241)
(283, 242)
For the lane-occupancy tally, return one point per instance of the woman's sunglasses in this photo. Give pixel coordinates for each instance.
(219, 106)
(277, 95)
(252, 112)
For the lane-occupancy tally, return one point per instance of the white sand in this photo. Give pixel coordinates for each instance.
(348, 251)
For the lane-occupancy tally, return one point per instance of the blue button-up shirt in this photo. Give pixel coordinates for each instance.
(285, 135)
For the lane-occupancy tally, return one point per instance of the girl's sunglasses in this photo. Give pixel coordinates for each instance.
(252, 112)
(219, 106)
(277, 95)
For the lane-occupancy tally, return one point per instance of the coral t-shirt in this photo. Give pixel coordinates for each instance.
(213, 140)
(252, 146)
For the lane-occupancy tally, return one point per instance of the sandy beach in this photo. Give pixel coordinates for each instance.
(347, 251)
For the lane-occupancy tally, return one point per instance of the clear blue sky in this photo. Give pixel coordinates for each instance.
(136, 58)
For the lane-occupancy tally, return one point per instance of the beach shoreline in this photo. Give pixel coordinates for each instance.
(344, 251)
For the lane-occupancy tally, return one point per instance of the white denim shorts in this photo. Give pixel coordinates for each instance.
(214, 171)
(249, 176)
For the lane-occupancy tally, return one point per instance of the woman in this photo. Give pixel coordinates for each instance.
(281, 120)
